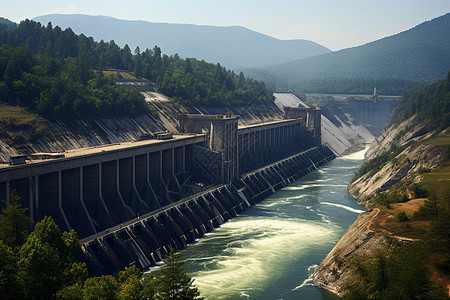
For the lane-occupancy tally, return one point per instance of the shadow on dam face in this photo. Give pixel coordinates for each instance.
(146, 240)
(131, 203)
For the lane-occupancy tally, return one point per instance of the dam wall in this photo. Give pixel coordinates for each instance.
(92, 189)
(340, 129)
(130, 203)
(145, 240)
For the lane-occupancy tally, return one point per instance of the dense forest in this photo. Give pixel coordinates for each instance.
(385, 86)
(431, 104)
(56, 73)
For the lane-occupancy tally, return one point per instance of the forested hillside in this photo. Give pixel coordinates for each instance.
(57, 73)
(431, 104)
(231, 46)
(421, 54)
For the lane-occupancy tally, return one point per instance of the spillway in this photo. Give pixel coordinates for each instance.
(145, 240)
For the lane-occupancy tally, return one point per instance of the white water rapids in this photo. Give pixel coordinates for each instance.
(271, 250)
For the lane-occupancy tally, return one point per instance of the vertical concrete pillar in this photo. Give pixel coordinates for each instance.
(8, 192)
(155, 173)
(73, 207)
(31, 199)
(124, 180)
(100, 194)
(184, 159)
(140, 182)
(255, 147)
(109, 191)
(280, 137)
(165, 161)
(167, 165)
(152, 180)
(82, 201)
(178, 156)
(36, 196)
(60, 204)
(223, 138)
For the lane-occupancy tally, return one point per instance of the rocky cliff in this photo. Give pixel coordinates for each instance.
(359, 241)
(399, 157)
(408, 154)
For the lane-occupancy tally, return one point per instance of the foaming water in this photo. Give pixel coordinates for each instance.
(355, 156)
(254, 249)
(309, 280)
(270, 251)
(345, 207)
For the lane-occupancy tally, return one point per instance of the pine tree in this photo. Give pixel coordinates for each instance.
(14, 223)
(175, 284)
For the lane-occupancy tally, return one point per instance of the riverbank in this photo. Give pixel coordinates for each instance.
(359, 241)
(270, 250)
(404, 186)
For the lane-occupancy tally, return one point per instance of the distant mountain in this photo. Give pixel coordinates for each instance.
(420, 53)
(233, 47)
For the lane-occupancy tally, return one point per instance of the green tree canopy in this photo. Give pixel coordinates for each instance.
(174, 282)
(431, 104)
(14, 223)
(47, 261)
(50, 71)
(9, 281)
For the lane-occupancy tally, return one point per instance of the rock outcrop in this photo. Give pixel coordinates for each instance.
(360, 242)
(357, 243)
(404, 166)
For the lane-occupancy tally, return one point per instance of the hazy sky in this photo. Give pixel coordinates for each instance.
(336, 24)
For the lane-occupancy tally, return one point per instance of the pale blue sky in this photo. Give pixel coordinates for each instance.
(336, 24)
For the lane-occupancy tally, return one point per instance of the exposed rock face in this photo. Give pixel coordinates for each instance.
(358, 242)
(404, 166)
(85, 133)
(398, 135)
(65, 135)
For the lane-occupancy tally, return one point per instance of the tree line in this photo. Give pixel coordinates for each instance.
(45, 264)
(51, 71)
(385, 86)
(430, 103)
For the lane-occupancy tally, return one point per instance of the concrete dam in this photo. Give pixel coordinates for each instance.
(133, 202)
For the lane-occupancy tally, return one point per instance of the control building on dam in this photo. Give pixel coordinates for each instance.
(133, 202)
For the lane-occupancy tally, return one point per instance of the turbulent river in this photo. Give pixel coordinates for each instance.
(271, 250)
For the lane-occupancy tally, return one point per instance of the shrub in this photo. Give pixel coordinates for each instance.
(402, 217)
(420, 191)
(423, 170)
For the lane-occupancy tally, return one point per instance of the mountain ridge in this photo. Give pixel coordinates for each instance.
(419, 53)
(216, 44)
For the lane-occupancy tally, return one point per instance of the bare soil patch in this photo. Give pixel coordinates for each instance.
(409, 207)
